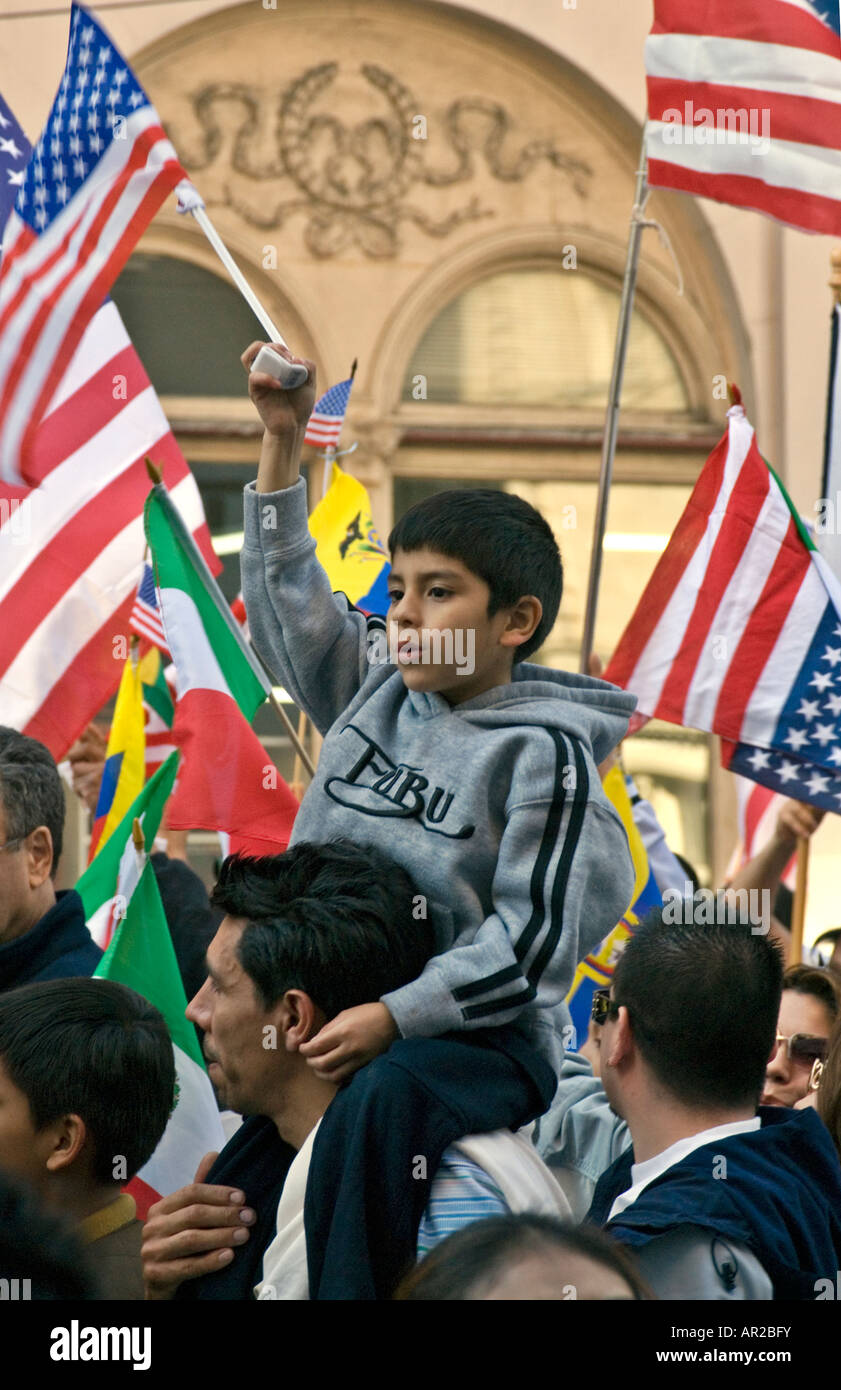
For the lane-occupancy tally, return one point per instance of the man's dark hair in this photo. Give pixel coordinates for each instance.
(343, 923)
(30, 789)
(501, 538)
(703, 1001)
(470, 1261)
(96, 1049)
(821, 984)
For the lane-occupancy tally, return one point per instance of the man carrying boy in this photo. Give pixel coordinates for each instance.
(477, 776)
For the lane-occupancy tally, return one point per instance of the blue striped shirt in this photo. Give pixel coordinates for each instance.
(461, 1193)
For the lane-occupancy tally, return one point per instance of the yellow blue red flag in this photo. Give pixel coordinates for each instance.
(595, 971)
(347, 544)
(125, 759)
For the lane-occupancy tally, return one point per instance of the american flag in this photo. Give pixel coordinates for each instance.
(744, 105)
(325, 423)
(14, 157)
(145, 617)
(738, 632)
(98, 174)
(71, 549)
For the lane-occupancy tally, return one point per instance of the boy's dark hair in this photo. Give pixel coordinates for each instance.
(341, 922)
(703, 1001)
(501, 538)
(92, 1048)
(471, 1260)
(30, 789)
(819, 983)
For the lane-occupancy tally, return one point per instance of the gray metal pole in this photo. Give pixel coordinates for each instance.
(611, 424)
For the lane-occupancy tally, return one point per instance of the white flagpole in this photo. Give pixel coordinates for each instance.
(611, 427)
(189, 200)
(329, 455)
(289, 375)
(331, 450)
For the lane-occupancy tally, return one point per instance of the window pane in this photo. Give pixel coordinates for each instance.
(221, 485)
(542, 337)
(408, 491)
(188, 326)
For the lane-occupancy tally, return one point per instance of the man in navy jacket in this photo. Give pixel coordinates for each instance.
(718, 1199)
(43, 935)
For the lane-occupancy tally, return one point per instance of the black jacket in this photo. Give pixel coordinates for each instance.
(781, 1198)
(56, 948)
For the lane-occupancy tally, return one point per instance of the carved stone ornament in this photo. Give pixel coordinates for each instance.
(354, 183)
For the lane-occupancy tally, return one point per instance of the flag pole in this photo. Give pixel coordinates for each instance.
(798, 911)
(611, 426)
(835, 276)
(330, 450)
(329, 456)
(254, 304)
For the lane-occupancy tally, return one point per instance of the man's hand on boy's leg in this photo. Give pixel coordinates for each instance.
(349, 1040)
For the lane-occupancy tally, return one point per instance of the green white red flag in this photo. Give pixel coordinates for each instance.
(226, 782)
(142, 956)
(120, 886)
(107, 885)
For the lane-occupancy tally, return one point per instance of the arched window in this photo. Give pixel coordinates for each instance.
(542, 337)
(207, 325)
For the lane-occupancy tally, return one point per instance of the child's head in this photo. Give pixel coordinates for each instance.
(481, 567)
(86, 1085)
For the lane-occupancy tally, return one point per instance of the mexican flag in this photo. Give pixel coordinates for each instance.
(226, 783)
(141, 956)
(107, 885)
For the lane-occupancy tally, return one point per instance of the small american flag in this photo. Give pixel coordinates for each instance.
(325, 423)
(96, 178)
(744, 105)
(145, 617)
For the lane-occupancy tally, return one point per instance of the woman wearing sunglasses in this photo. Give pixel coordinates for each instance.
(809, 1008)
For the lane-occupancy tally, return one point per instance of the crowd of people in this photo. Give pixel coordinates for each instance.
(382, 1006)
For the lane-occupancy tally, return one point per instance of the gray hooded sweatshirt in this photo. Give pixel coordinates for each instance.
(493, 806)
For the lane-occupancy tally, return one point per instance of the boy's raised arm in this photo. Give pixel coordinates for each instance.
(311, 639)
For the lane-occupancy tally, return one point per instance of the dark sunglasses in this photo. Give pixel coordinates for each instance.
(803, 1048)
(603, 1006)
